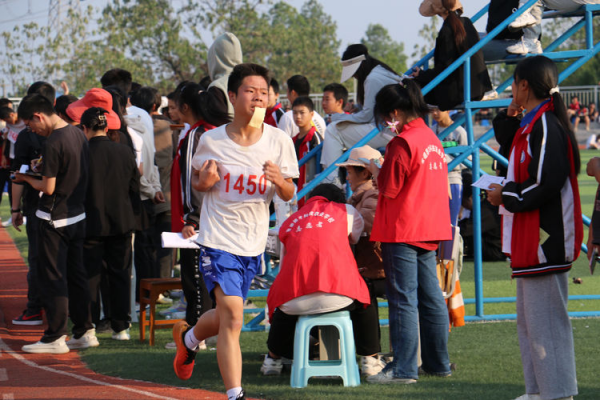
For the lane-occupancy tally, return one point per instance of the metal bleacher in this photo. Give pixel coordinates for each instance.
(574, 60)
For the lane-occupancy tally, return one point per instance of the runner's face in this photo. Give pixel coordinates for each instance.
(253, 92)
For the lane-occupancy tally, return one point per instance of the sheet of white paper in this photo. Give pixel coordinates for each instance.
(486, 180)
(175, 240)
(24, 169)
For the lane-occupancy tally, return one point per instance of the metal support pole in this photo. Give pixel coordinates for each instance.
(476, 199)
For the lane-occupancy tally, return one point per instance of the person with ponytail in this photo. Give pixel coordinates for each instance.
(202, 112)
(542, 224)
(456, 36)
(110, 220)
(412, 217)
(347, 129)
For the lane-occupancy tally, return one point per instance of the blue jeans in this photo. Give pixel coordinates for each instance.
(415, 304)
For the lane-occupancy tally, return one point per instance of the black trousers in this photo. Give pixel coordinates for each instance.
(4, 179)
(164, 257)
(62, 279)
(194, 290)
(109, 258)
(283, 327)
(34, 301)
(145, 248)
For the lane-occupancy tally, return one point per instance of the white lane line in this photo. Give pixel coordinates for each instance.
(3, 375)
(8, 350)
(9, 396)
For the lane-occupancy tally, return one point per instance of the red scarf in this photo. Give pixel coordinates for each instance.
(177, 221)
(303, 150)
(526, 225)
(270, 115)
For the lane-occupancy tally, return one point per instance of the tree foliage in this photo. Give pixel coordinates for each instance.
(383, 47)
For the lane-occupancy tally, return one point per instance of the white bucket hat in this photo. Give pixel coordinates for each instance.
(364, 153)
(349, 67)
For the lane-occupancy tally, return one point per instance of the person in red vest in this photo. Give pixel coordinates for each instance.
(318, 274)
(411, 218)
(542, 224)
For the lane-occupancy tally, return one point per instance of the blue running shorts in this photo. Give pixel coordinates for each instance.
(232, 273)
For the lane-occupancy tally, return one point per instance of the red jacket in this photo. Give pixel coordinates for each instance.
(413, 194)
(318, 257)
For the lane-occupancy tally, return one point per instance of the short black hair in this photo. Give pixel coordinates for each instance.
(339, 92)
(134, 88)
(275, 85)
(245, 70)
(304, 101)
(4, 102)
(35, 103)
(330, 191)
(144, 98)
(405, 96)
(94, 118)
(62, 102)
(43, 88)
(118, 77)
(299, 84)
(5, 112)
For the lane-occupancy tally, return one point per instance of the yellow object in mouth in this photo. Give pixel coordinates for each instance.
(258, 117)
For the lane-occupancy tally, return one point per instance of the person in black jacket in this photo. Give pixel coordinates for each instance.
(456, 36)
(202, 111)
(542, 224)
(113, 175)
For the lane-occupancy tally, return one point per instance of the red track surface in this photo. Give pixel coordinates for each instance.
(47, 376)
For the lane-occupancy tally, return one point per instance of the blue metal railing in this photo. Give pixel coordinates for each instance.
(472, 149)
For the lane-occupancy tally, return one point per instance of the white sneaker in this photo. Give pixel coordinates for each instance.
(271, 366)
(529, 397)
(88, 339)
(524, 20)
(386, 378)
(371, 365)
(525, 46)
(164, 300)
(123, 335)
(57, 347)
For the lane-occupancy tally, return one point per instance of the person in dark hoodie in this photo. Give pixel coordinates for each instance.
(224, 54)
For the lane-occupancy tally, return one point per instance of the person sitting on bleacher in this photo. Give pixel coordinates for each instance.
(318, 274)
(532, 19)
(456, 36)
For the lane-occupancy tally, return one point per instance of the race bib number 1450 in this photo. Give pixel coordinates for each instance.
(243, 184)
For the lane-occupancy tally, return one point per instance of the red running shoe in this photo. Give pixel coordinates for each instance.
(183, 364)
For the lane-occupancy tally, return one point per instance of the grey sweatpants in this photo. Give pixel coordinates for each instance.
(546, 336)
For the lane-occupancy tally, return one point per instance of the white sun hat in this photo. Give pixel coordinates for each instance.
(350, 66)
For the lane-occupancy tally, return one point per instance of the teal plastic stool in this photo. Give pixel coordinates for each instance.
(346, 367)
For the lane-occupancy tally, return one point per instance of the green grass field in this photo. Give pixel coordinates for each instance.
(486, 354)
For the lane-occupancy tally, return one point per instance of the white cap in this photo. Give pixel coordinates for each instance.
(350, 66)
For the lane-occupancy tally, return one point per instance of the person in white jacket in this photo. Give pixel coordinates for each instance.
(347, 129)
(145, 261)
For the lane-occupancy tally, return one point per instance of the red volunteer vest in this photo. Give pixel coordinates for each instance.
(420, 212)
(318, 257)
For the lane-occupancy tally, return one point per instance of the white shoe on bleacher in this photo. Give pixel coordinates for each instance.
(524, 20)
(525, 46)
